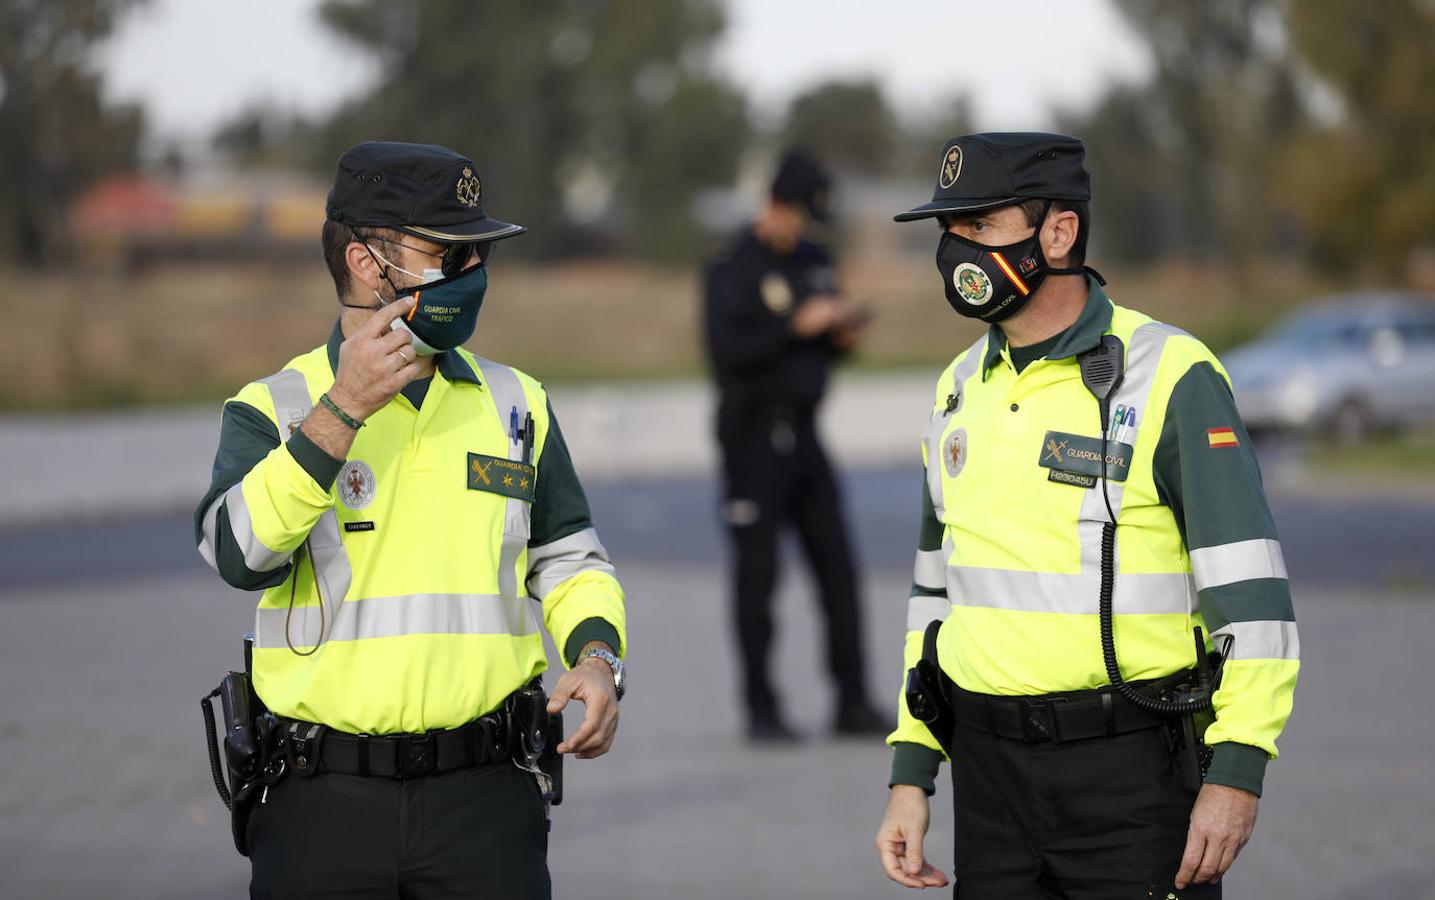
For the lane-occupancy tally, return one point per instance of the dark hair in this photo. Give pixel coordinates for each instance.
(336, 238)
(1033, 209)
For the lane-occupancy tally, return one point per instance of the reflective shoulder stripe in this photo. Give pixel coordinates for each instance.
(1266, 639)
(332, 573)
(551, 564)
(381, 617)
(290, 393)
(1143, 359)
(930, 570)
(291, 399)
(1237, 561)
(510, 401)
(938, 423)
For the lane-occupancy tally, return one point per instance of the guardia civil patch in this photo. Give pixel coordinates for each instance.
(356, 484)
(955, 451)
(776, 292)
(497, 475)
(1080, 457)
(951, 168)
(972, 284)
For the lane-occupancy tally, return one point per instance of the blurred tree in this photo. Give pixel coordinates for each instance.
(847, 124)
(1191, 152)
(1363, 180)
(59, 137)
(572, 109)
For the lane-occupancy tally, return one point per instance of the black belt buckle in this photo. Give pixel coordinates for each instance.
(1038, 722)
(416, 755)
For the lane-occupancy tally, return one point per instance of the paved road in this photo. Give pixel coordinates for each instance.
(1339, 538)
(108, 636)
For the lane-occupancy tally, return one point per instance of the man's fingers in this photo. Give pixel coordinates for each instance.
(892, 852)
(586, 729)
(562, 693)
(931, 876)
(1210, 866)
(378, 323)
(1228, 856)
(1195, 849)
(912, 860)
(398, 339)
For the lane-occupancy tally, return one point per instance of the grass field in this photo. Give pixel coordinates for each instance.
(186, 333)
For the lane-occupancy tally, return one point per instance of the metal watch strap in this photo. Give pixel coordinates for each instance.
(614, 663)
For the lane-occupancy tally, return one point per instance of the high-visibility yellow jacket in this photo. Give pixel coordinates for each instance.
(1010, 548)
(402, 584)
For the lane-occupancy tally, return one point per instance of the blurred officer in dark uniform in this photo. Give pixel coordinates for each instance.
(774, 325)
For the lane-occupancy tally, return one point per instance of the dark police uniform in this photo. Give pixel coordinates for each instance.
(1063, 786)
(776, 473)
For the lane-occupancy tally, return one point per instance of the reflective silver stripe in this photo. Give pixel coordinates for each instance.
(1238, 561)
(930, 570)
(257, 556)
(413, 614)
(332, 573)
(290, 393)
(938, 423)
(1261, 640)
(1143, 358)
(557, 561)
(508, 394)
(921, 611)
(1073, 594)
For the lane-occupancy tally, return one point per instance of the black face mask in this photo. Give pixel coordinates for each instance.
(994, 283)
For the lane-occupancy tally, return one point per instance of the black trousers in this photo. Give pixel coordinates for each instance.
(1099, 819)
(474, 833)
(778, 475)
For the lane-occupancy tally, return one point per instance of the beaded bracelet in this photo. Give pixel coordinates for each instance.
(339, 414)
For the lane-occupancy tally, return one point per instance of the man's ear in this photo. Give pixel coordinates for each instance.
(1058, 236)
(363, 268)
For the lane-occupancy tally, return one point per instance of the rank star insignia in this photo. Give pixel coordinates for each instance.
(508, 481)
(468, 189)
(523, 482)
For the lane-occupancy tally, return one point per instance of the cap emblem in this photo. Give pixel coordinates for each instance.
(951, 168)
(972, 284)
(468, 188)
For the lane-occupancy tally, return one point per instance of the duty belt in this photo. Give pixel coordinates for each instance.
(313, 748)
(1053, 718)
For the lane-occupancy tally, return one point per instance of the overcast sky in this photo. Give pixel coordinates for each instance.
(195, 64)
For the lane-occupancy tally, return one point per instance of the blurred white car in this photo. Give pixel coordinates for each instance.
(1343, 367)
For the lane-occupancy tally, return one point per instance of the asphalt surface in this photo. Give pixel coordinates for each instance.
(1344, 538)
(110, 633)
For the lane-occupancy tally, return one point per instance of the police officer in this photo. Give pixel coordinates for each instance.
(1066, 786)
(774, 325)
(409, 510)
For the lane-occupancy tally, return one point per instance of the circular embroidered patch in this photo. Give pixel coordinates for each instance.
(356, 484)
(954, 452)
(972, 284)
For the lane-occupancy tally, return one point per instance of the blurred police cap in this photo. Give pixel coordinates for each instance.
(803, 181)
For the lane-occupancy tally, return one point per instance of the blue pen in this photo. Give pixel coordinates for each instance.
(1115, 428)
(513, 424)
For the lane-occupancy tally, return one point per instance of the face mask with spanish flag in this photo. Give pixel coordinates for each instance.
(994, 283)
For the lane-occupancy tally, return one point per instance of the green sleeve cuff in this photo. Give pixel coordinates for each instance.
(321, 467)
(1238, 766)
(594, 629)
(916, 765)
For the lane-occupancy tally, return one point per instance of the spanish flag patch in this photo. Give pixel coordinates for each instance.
(1222, 437)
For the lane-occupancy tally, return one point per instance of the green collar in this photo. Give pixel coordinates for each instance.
(1084, 334)
(452, 366)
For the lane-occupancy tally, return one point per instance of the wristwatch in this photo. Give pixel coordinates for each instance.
(620, 680)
